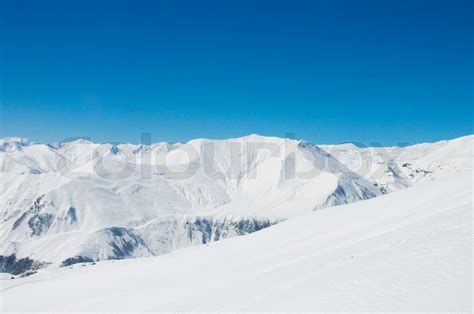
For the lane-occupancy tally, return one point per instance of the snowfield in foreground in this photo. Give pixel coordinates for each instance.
(410, 250)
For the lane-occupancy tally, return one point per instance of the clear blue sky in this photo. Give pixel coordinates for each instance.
(329, 71)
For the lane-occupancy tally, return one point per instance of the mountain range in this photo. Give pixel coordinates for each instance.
(78, 201)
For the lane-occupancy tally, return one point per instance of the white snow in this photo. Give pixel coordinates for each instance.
(410, 250)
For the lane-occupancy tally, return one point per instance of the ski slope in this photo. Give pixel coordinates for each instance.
(410, 250)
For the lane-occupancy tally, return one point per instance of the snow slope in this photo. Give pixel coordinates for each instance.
(410, 250)
(63, 203)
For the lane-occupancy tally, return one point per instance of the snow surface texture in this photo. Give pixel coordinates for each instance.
(410, 250)
(65, 203)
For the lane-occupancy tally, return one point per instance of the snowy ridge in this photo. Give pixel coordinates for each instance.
(394, 168)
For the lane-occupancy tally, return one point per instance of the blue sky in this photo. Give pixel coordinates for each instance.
(328, 71)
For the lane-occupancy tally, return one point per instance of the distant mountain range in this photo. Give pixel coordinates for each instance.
(78, 201)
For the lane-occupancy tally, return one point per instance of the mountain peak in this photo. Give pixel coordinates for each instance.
(13, 143)
(13, 139)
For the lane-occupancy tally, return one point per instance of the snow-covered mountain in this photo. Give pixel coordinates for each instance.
(64, 203)
(394, 168)
(397, 252)
(78, 201)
